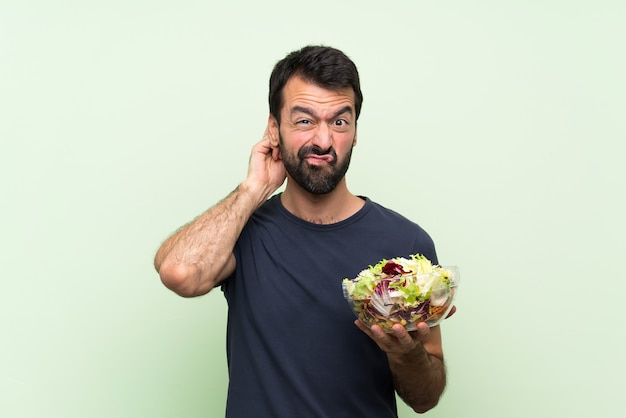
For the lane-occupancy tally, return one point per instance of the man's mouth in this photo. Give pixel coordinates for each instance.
(315, 159)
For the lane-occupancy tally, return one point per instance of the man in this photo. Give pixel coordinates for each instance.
(292, 345)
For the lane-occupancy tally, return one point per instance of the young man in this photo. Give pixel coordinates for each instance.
(292, 345)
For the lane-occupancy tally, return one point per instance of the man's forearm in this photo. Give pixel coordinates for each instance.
(419, 378)
(199, 255)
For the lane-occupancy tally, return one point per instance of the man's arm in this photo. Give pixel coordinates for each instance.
(416, 363)
(200, 255)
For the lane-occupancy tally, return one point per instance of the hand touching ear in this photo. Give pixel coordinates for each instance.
(265, 168)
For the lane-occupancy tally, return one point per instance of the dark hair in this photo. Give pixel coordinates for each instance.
(323, 66)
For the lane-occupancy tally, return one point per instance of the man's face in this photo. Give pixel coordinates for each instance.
(317, 133)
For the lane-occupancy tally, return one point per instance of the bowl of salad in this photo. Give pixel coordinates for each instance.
(402, 291)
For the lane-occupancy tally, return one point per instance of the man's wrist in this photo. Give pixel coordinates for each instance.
(416, 356)
(255, 193)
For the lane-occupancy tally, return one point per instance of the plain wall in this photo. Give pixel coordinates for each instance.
(497, 126)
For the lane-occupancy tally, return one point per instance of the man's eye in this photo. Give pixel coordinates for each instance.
(341, 122)
(303, 122)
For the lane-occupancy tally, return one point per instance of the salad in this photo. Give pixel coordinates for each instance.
(402, 291)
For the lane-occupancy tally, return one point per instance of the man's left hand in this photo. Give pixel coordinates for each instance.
(399, 341)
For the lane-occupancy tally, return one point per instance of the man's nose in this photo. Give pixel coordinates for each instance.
(323, 137)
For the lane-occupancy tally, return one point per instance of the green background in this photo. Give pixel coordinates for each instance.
(496, 125)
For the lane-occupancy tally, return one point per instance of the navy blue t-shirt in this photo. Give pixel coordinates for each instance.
(292, 347)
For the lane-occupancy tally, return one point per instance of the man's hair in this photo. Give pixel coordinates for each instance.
(323, 66)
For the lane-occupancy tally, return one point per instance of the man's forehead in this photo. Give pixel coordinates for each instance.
(299, 91)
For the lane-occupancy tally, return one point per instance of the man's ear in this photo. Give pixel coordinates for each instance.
(272, 126)
(354, 140)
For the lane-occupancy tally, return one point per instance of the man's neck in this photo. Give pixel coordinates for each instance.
(327, 208)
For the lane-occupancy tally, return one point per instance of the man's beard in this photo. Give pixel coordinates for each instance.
(312, 178)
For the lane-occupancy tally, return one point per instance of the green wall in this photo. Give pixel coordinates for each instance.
(498, 126)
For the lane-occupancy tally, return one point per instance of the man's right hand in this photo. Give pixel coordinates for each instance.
(266, 171)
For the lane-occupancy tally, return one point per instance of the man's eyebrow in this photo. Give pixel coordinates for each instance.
(310, 112)
(302, 109)
(345, 109)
